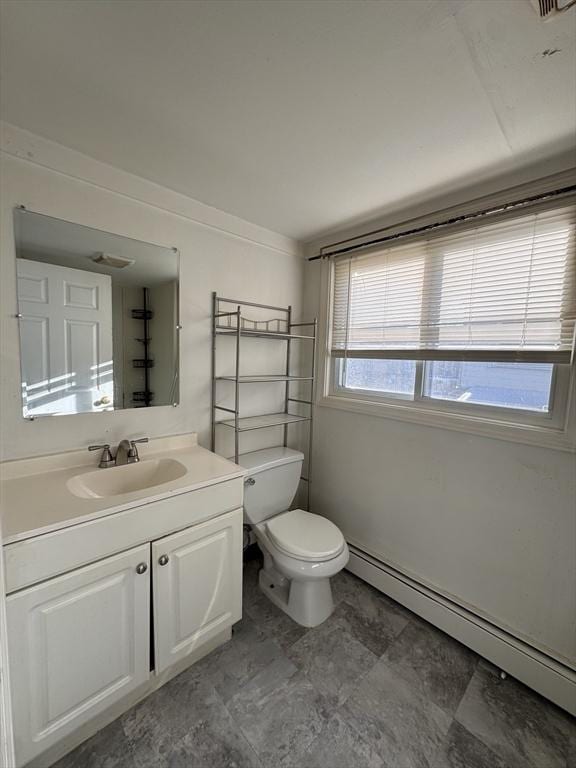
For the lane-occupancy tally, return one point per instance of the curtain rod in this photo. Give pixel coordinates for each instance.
(439, 224)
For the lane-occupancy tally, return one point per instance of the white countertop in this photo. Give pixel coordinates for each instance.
(34, 495)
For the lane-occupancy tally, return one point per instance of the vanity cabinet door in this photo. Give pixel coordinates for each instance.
(197, 586)
(77, 644)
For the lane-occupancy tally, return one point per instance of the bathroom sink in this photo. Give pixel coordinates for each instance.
(128, 478)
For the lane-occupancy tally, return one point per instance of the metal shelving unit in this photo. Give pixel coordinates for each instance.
(235, 322)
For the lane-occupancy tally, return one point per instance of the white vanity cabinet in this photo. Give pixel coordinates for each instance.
(109, 597)
(82, 641)
(197, 586)
(78, 643)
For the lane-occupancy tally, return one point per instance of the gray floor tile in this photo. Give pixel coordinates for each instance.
(274, 622)
(346, 586)
(375, 622)
(516, 723)
(280, 713)
(339, 746)
(109, 748)
(269, 679)
(463, 750)
(269, 699)
(401, 725)
(333, 660)
(229, 667)
(155, 725)
(271, 620)
(216, 742)
(439, 666)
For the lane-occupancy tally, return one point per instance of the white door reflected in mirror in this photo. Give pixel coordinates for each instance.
(65, 339)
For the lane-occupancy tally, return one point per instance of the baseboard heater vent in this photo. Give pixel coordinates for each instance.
(549, 677)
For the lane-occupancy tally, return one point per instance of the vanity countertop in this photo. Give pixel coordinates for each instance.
(35, 496)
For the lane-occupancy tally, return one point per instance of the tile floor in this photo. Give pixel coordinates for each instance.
(373, 687)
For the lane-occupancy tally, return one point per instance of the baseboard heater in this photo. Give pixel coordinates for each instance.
(545, 675)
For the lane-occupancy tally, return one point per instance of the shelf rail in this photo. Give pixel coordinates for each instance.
(238, 331)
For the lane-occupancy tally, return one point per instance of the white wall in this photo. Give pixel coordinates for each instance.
(218, 252)
(164, 303)
(488, 522)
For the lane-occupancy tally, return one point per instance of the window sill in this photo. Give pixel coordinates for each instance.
(546, 437)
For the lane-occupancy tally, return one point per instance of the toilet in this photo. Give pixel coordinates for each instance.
(302, 551)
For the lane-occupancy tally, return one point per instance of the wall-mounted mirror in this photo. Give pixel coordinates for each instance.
(98, 318)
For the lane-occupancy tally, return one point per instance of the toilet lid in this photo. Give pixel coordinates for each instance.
(305, 536)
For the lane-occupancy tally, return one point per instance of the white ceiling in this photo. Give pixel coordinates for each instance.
(298, 115)
(43, 238)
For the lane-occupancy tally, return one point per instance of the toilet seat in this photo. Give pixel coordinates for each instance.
(305, 536)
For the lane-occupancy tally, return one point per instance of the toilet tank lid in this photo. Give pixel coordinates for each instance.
(258, 461)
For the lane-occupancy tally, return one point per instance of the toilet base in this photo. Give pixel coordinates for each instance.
(308, 603)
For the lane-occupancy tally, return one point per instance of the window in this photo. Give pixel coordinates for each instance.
(479, 321)
(525, 386)
(395, 377)
(518, 386)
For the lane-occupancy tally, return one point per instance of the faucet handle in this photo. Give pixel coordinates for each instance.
(133, 456)
(106, 460)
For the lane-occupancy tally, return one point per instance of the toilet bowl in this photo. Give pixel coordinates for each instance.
(302, 551)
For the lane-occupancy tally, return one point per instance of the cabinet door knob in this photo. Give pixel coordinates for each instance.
(163, 559)
(141, 568)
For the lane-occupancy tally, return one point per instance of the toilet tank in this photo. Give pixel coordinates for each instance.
(276, 474)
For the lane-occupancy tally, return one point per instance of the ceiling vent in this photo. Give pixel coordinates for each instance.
(547, 9)
(109, 260)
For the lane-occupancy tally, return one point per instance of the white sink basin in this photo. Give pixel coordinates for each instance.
(127, 478)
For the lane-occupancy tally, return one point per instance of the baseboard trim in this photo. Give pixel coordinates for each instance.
(536, 670)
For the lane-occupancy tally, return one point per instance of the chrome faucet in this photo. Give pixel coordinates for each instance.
(126, 453)
(106, 460)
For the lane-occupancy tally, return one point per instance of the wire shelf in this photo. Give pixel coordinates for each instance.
(142, 314)
(248, 423)
(223, 330)
(264, 378)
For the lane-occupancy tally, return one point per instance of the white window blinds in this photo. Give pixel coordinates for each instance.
(501, 291)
